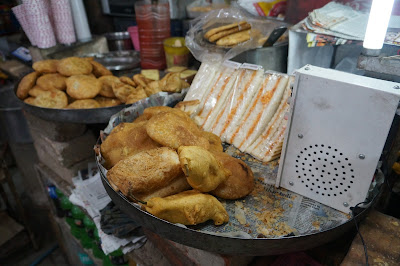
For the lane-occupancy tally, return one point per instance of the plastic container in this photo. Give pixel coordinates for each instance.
(134, 33)
(154, 26)
(176, 53)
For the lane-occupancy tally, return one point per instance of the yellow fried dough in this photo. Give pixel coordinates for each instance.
(235, 38)
(188, 208)
(52, 82)
(35, 91)
(214, 140)
(145, 171)
(52, 99)
(203, 171)
(240, 183)
(107, 102)
(141, 80)
(46, 66)
(99, 70)
(171, 83)
(83, 87)
(26, 84)
(74, 66)
(224, 33)
(122, 90)
(172, 130)
(153, 88)
(125, 140)
(128, 80)
(222, 28)
(106, 85)
(136, 95)
(84, 104)
(29, 100)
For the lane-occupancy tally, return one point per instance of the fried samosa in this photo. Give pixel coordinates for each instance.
(188, 208)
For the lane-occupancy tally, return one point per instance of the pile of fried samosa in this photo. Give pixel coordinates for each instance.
(163, 158)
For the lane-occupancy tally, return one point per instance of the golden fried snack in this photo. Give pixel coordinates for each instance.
(99, 70)
(141, 80)
(125, 140)
(106, 85)
(122, 91)
(30, 101)
(83, 87)
(136, 95)
(175, 186)
(172, 130)
(107, 102)
(74, 66)
(237, 185)
(189, 107)
(223, 28)
(203, 171)
(224, 33)
(128, 81)
(153, 88)
(52, 99)
(84, 104)
(52, 82)
(145, 171)
(35, 91)
(234, 39)
(26, 84)
(188, 208)
(172, 83)
(46, 66)
(149, 112)
(214, 140)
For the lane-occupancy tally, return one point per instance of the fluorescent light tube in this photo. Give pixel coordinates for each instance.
(377, 23)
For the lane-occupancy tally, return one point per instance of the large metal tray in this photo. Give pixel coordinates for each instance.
(81, 116)
(223, 244)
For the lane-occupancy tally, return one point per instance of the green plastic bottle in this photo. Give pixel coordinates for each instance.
(89, 226)
(66, 206)
(77, 215)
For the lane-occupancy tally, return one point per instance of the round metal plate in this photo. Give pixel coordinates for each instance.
(81, 116)
(223, 244)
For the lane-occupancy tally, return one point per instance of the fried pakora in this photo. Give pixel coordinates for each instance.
(145, 171)
(240, 183)
(214, 140)
(128, 81)
(52, 99)
(83, 87)
(188, 208)
(203, 171)
(29, 100)
(136, 95)
(107, 102)
(172, 130)
(171, 83)
(52, 82)
(26, 84)
(46, 66)
(106, 85)
(99, 70)
(153, 88)
(84, 104)
(125, 140)
(74, 66)
(122, 91)
(141, 80)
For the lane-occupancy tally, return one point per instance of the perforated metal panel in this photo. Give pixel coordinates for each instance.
(337, 128)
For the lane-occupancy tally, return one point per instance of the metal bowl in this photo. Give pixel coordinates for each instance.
(121, 60)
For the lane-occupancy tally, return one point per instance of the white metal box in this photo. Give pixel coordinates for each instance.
(337, 127)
